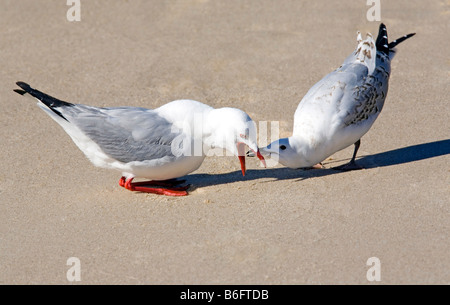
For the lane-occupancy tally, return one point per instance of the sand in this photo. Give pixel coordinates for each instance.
(276, 225)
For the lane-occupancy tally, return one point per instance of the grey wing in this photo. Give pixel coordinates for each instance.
(125, 133)
(363, 96)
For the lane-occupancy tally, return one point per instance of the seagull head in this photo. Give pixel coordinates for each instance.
(283, 152)
(233, 130)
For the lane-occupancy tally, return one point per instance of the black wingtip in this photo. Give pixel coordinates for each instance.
(394, 43)
(26, 88)
(48, 100)
(382, 40)
(21, 92)
(23, 85)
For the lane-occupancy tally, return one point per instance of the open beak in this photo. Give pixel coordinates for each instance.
(241, 155)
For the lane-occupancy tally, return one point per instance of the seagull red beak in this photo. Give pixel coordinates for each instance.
(261, 158)
(242, 159)
(241, 155)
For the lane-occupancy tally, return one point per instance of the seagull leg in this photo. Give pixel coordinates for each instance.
(138, 187)
(317, 166)
(122, 181)
(172, 183)
(352, 164)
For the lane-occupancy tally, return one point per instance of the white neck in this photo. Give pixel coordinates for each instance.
(212, 122)
(303, 149)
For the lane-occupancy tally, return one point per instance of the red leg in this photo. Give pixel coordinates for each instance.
(122, 182)
(138, 187)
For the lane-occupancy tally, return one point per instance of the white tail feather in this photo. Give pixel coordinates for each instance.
(366, 51)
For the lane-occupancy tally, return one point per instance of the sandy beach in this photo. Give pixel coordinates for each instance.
(273, 226)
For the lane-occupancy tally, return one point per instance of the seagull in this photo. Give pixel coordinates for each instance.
(338, 110)
(161, 144)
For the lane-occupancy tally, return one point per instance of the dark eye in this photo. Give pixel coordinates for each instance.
(282, 147)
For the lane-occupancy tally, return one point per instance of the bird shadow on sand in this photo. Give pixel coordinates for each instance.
(388, 158)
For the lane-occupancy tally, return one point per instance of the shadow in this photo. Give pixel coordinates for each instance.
(406, 154)
(388, 158)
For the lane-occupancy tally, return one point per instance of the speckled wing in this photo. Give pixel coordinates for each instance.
(338, 98)
(363, 97)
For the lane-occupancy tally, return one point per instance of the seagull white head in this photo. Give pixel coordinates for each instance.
(286, 152)
(232, 129)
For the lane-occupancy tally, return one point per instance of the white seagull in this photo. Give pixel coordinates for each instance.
(162, 144)
(337, 111)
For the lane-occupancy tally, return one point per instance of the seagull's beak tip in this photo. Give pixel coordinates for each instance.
(261, 158)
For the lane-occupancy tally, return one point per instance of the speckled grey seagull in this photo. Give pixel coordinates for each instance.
(160, 144)
(337, 111)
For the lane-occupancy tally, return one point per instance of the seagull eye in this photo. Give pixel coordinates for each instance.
(282, 147)
(246, 134)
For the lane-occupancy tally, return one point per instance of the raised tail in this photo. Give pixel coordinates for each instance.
(46, 99)
(382, 43)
